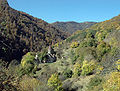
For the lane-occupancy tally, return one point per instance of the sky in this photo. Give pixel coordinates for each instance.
(69, 10)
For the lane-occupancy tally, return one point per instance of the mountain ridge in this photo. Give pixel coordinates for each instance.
(72, 26)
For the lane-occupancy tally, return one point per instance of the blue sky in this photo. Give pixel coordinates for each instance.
(69, 10)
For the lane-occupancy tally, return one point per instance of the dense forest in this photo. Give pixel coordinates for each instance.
(20, 33)
(35, 56)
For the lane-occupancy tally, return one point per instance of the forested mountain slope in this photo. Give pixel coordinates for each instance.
(20, 33)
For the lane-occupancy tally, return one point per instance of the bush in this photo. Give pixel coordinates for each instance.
(113, 51)
(27, 64)
(118, 65)
(77, 69)
(88, 67)
(90, 33)
(113, 82)
(55, 82)
(99, 69)
(101, 35)
(91, 42)
(68, 73)
(28, 84)
(74, 58)
(85, 51)
(74, 45)
(113, 42)
(94, 83)
(102, 48)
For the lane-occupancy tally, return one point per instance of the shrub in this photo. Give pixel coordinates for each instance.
(113, 42)
(113, 51)
(94, 83)
(74, 58)
(91, 42)
(113, 82)
(68, 73)
(90, 33)
(88, 67)
(83, 44)
(55, 82)
(101, 35)
(118, 65)
(74, 45)
(99, 69)
(42, 55)
(102, 48)
(28, 84)
(77, 69)
(29, 69)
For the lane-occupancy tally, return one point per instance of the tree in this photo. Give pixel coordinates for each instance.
(55, 82)
(28, 63)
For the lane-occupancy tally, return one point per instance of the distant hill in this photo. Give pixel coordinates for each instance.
(107, 31)
(20, 33)
(72, 26)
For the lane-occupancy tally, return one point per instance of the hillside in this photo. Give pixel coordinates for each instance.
(88, 60)
(20, 33)
(71, 27)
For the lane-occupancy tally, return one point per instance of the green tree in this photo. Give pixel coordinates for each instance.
(27, 63)
(27, 58)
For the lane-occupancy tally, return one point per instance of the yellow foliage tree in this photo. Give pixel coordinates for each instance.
(55, 82)
(27, 63)
(28, 58)
(102, 48)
